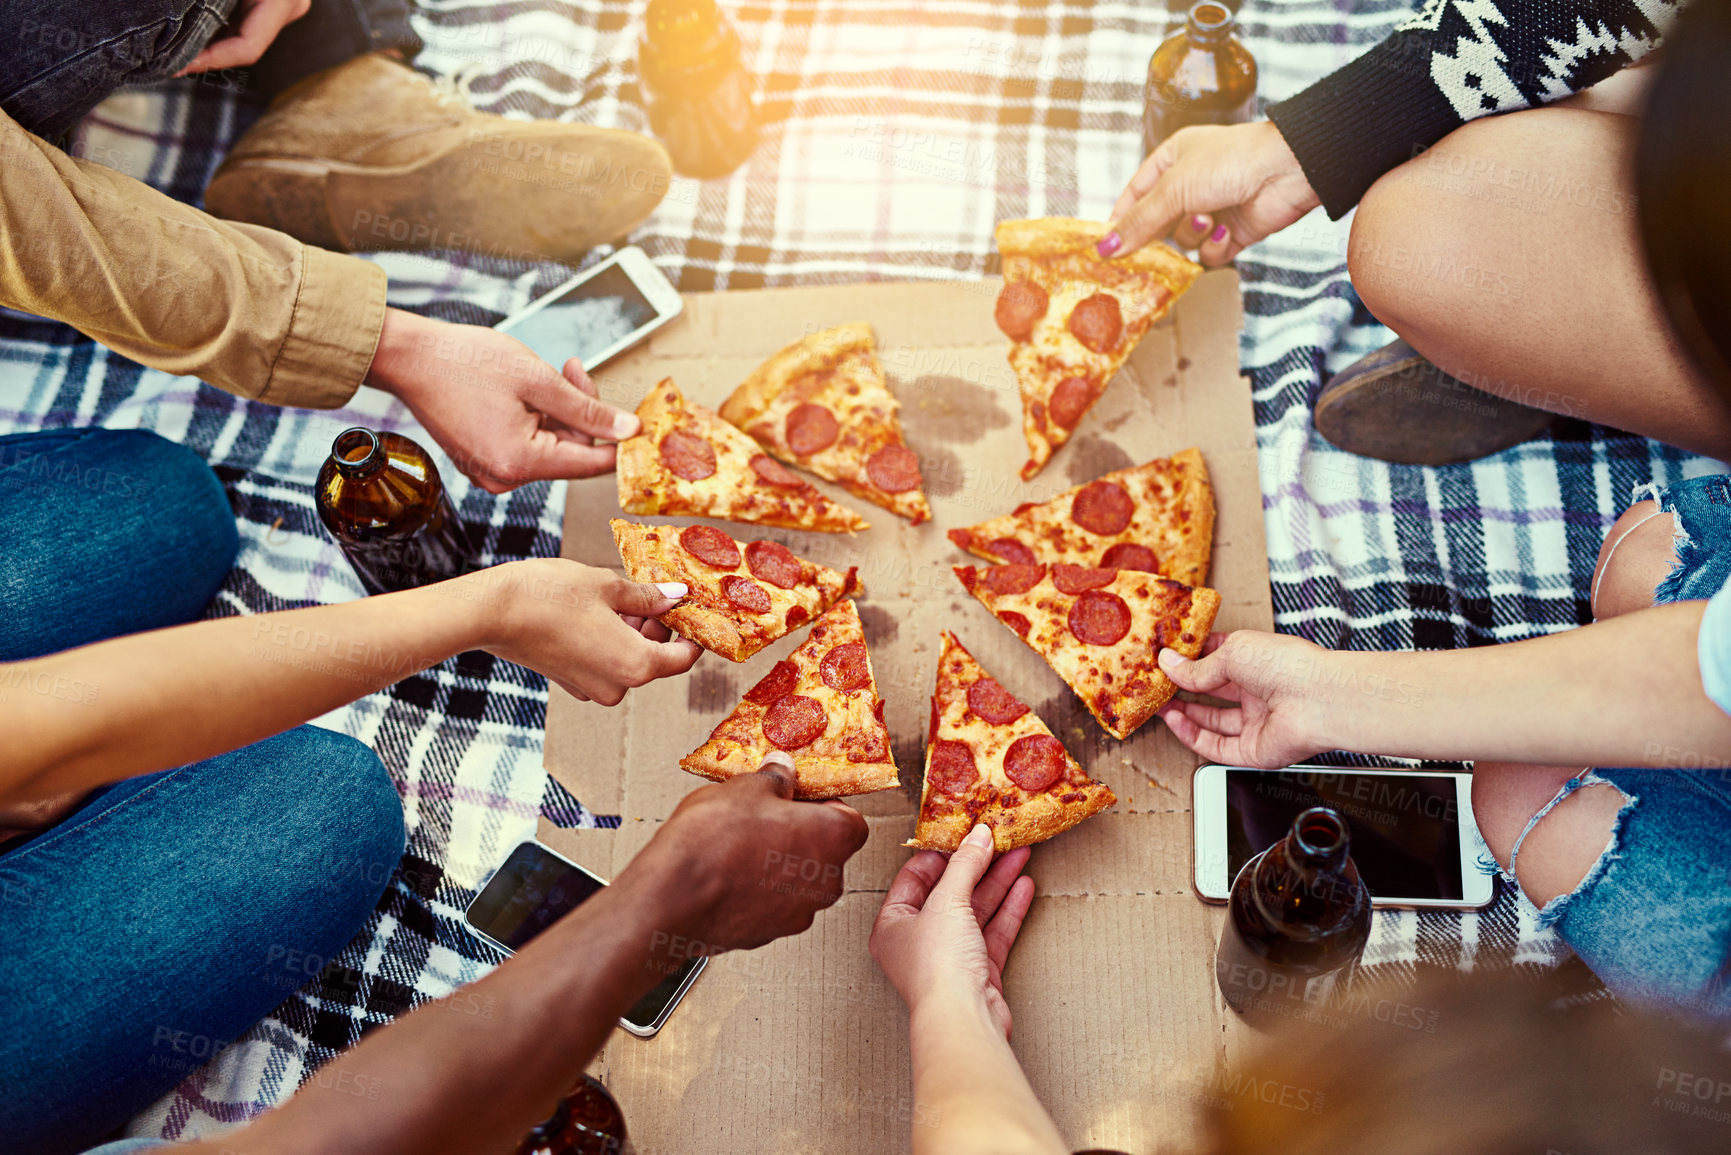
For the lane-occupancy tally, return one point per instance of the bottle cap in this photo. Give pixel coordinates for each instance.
(1209, 21)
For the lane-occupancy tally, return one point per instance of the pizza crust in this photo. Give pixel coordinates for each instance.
(732, 492)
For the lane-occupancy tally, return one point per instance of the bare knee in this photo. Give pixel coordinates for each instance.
(1638, 554)
(1562, 847)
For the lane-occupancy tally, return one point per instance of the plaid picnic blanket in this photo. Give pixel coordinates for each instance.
(897, 133)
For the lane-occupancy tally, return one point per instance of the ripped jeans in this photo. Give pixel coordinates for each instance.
(1652, 917)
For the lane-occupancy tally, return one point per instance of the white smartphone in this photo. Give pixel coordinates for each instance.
(534, 888)
(599, 313)
(1413, 834)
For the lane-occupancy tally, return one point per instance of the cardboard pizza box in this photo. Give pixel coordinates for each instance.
(801, 1047)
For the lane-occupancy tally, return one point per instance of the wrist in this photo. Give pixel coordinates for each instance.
(402, 336)
(1281, 167)
(949, 1003)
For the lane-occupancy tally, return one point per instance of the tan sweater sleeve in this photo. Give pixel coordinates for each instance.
(245, 308)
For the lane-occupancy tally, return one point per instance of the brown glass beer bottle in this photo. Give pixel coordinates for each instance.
(1201, 74)
(380, 496)
(586, 1122)
(698, 91)
(1297, 921)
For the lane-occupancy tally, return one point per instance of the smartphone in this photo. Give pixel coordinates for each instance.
(597, 314)
(1413, 834)
(533, 889)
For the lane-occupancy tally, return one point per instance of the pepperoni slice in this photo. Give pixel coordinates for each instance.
(794, 721)
(845, 668)
(1071, 399)
(710, 546)
(810, 428)
(776, 684)
(774, 563)
(1012, 551)
(951, 769)
(745, 593)
(1012, 579)
(1035, 761)
(773, 473)
(994, 703)
(1129, 555)
(1020, 306)
(1015, 621)
(932, 730)
(1102, 507)
(797, 617)
(894, 469)
(1100, 618)
(687, 455)
(1098, 322)
(1075, 579)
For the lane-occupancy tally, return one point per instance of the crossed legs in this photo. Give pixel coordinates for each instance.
(1509, 256)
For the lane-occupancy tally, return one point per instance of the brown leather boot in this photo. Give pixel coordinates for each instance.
(1396, 406)
(372, 155)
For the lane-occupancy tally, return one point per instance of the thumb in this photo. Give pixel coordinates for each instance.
(565, 401)
(967, 866)
(644, 599)
(777, 772)
(1200, 676)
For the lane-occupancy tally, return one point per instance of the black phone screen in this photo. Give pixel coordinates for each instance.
(534, 890)
(1406, 828)
(606, 308)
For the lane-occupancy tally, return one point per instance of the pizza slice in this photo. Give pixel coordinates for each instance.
(990, 759)
(687, 460)
(820, 705)
(740, 600)
(1157, 517)
(1073, 317)
(822, 404)
(1100, 629)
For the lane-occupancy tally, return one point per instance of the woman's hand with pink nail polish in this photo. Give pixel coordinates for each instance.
(1241, 178)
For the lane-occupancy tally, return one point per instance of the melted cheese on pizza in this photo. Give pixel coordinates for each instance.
(687, 460)
(1158, 516)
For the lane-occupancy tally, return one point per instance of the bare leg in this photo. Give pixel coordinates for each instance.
(1565, 843)
(1508, 255)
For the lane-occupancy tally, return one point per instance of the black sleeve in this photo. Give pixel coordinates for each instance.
(1455, 61)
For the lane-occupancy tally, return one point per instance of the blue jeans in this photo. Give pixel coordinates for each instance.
(1652, 917)
(169, 913)
(59, 59)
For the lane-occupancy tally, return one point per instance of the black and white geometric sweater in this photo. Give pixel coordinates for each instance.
(1455, 61)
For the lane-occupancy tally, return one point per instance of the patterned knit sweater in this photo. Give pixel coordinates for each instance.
(1455, 61)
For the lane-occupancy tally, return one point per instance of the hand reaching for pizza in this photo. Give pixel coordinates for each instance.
(589, 630)
(946, 929)
(1217, 188)
(740, 864)
(1282, 689)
